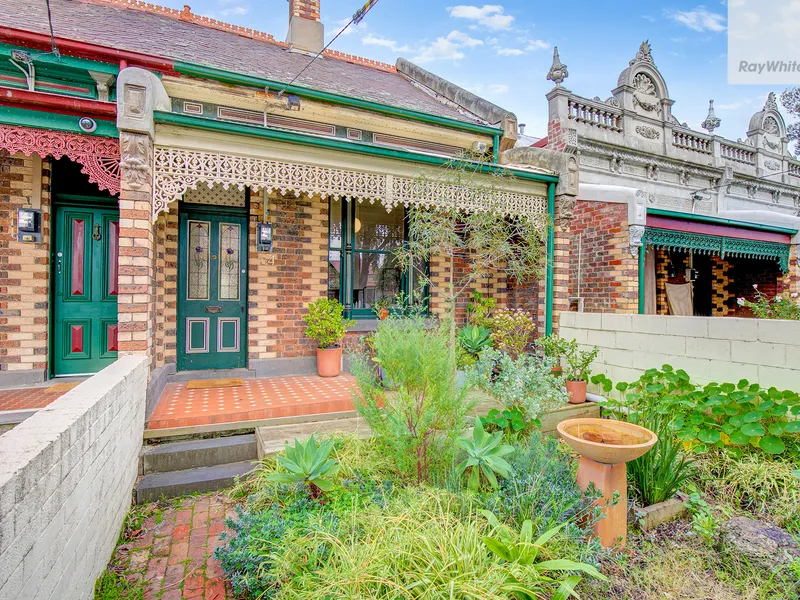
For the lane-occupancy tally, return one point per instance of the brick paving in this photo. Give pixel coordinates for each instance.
(254, 400)
(171, 556)
(27, 398)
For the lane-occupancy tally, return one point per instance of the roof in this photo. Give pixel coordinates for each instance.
(148, 29)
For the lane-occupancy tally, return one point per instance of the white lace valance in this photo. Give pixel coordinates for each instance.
(178, 170)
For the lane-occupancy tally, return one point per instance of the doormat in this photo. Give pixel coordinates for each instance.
(61, 388)
(207, 384)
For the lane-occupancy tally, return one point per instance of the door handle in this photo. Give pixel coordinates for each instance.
(213, 309)
(58, 262)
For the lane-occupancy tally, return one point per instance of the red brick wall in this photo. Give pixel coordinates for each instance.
(24, 268)
(609, 274)
(746, 272)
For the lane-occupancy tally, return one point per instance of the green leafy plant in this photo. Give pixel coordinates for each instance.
(479, 310)
(420, 419)
(308, 463)
(526, 384)
(484, 462)
(512, 330)
(521, 548)
(725, 416)
(384, 303)
(704, 524)
(474, 339)
(776, 307)
(508, 421)
(578, 361)
(326, 323)
(553, 347)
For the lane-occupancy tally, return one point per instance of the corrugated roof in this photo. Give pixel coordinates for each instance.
(147, 30)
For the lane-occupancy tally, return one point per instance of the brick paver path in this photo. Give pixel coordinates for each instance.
(173, 558)
(257, 399)
(27, 398)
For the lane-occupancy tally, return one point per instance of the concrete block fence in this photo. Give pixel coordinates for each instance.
(717, 349)
(66, 476)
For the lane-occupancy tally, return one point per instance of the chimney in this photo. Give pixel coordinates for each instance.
(306, 32)
(522, 128)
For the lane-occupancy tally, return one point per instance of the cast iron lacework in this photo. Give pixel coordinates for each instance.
(178, 170)
(716, 245)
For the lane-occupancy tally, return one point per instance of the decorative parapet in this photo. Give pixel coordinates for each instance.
(794, 169)
(594, 113)
(740, 154)
(689, 140)
(178, 169)
(98, 156)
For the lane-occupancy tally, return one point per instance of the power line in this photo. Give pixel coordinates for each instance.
(356, 18)
(53, 46)
(722, 185)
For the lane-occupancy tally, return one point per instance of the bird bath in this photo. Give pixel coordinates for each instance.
(605, 446)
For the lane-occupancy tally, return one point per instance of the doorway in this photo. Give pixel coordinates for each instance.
(212, 288)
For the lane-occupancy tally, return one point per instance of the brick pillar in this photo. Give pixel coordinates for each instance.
(137, 257)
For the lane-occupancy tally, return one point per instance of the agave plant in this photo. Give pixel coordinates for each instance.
(522, 549)
(475, 339)
(308, 463)
(484, 457)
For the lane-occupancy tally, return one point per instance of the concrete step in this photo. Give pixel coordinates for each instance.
(270, 440)
(211, 374)
(158, 486)
(193, 454)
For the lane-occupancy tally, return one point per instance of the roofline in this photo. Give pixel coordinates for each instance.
(225, 76)
(166, 118)
(659, 212)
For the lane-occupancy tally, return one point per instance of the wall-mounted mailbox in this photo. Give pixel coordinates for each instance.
(265, 234)
(29, 225)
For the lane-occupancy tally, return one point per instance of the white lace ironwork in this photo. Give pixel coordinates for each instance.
(178, 170)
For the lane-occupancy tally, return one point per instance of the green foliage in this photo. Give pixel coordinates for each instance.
(704, 523)
(521, 548)
(484, 460)
(479, 310)
(578, 361)
(308, 463)
(553, 347)
(512, 330)
(325, 322)
(419, 421)
(526, 384)
(381, 304)
(777, 307)
(509, 421)
(726, 416)
(474, 339)
(113, 586)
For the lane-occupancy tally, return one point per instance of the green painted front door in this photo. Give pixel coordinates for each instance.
(85, 261)
(212, 291)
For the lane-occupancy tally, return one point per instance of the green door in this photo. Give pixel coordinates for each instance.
(86, 262)
(212, 291)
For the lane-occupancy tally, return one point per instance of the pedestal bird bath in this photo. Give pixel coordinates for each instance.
(605, 446)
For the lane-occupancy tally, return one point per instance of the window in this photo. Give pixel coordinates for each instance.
(362, 266)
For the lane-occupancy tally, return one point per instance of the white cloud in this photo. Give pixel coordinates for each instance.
(447, 48)
(509, 52)
(235, 11)
(338, 25)
(529, 46)
(698, 19)
(376, 40)
(491, 16)
(536, 45)
(490, 88)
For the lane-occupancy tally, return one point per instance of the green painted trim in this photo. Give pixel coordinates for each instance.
(659, 212)
(11, 115)
(642, 252)
(64, 61)
(717, 245)
(496, 149)
(166, 118)
(203, 71)
(551, 247)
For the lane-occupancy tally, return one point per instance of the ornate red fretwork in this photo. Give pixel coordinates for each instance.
(99, 156)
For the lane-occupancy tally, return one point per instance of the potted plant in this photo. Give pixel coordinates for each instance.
(553, 347)
(578, 362)
(327, 325)
(381, 307)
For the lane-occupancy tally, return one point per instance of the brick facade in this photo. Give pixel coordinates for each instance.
(608, 273)
(24, 268)
(307, 9)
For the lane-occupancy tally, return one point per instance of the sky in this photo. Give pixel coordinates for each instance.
(502, 51)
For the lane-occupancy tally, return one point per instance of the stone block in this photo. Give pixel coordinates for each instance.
(649, 323)
(709, 348)
(779, 332)
(602, 339)
(615, 322)
(783, 379)
(566, 319)
(758, 353)
(731, 372)
(733, 329)
(688, 326)
(588, 321)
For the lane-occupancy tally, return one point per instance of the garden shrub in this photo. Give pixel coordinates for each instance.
(512, 329)
(419, 420)
(777, 307)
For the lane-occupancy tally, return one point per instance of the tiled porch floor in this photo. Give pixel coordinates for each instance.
(256, 399)
(28, 398)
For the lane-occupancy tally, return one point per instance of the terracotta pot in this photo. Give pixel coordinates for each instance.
(576, 391)
(557, 371)
(329, 361)
(383, 314)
